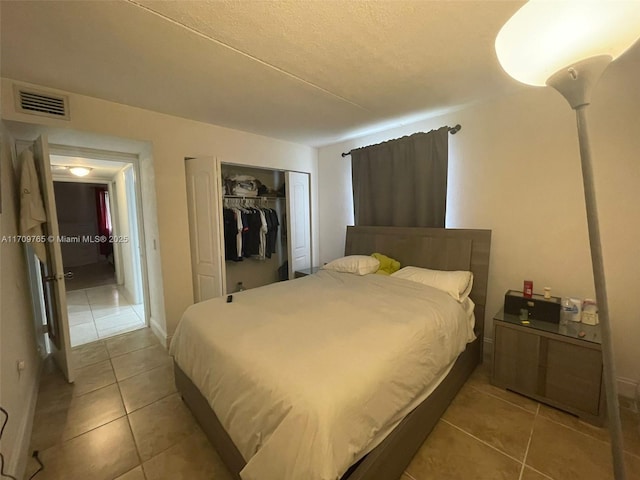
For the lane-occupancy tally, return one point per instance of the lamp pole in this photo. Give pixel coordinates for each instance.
(576, 83)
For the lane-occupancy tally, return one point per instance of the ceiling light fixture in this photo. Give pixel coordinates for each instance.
(80, 171)
(568, 45)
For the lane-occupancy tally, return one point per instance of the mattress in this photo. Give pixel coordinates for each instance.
(308, 376)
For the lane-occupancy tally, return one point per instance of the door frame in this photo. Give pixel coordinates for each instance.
(90, 153)
(121, 157)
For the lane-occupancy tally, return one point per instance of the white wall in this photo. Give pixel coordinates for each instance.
(17, 336)
(172, 139)
(515, 169)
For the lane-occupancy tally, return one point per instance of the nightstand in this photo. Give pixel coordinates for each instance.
(551, 363)
(306, 271)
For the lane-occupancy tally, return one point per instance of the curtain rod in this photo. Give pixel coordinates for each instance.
(452, 131)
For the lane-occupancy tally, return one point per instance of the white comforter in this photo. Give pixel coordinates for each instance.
(308, 376)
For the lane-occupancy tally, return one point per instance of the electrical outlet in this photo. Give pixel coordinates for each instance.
(21, 365)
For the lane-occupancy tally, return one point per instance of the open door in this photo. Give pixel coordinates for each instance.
(298, 222)
(53, 287)
(203, 203)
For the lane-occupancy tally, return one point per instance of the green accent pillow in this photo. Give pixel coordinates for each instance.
(387, 264)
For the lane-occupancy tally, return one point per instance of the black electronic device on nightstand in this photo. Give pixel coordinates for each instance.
(536, 306)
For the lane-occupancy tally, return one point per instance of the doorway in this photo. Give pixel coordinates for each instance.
(98, 222)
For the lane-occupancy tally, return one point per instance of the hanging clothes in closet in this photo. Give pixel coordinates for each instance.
(249, 232)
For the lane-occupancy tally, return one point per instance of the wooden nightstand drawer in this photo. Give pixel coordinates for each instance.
(516, 359)
(580, 392)
(575, 360)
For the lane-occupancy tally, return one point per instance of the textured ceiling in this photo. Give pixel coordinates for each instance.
(100, 169)
(312, 72)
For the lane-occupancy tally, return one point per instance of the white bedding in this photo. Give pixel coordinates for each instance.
(308, 376)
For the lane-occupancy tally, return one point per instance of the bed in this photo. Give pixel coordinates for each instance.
(280, 401)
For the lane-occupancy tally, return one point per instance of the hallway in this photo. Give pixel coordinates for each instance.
(100, 312)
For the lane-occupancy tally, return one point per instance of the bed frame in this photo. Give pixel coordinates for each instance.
(435, 248)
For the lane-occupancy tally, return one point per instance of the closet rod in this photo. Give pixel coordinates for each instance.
(452, 131)
(247, 197)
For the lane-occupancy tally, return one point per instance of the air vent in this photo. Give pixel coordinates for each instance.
(34, 102)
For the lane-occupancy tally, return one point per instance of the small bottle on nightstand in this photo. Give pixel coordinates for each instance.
(566, 311)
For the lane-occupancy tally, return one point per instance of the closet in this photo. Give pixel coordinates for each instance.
(228, 206)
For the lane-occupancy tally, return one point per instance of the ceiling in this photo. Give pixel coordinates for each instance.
(101, 170)
(311, 72)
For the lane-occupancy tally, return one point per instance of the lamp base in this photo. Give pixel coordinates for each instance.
(576, 82)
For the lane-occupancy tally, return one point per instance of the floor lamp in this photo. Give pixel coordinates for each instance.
(568, 45)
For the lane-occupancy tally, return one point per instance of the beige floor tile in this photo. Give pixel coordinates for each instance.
(631, 431)
(191, 459)
(120, 328)
(529, 474)
(481, 380)
(79, 315)
(492, 420)
(48, 427)
(83, 334)
(93, 377)
(574, 422)
(76, 298)
(632, 464)
(161, 425)
(93, 410)
(55, 396)
(52, 388)
(101, 454)
(565, 454)
(139, 361)
(60, 416)
(147, 387)
(449, 454)
(135, 474)
(89, 354)
(129, 342)
(630, 427)
(103, 311)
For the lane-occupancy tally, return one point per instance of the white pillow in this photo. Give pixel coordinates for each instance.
(358, 264)
(456, 283)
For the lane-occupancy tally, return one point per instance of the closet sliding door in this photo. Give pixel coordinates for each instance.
(298, 222)
(203, 202)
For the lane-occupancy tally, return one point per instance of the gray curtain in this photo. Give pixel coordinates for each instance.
(403, 182)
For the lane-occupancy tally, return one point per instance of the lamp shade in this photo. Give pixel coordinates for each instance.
(545, 36)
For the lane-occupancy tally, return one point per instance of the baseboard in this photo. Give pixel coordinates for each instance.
(628, 387)
(159, 331)
(19, 462)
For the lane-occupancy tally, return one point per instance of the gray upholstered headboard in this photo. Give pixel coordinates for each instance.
(434, 248)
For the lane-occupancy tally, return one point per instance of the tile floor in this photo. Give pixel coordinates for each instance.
(101, 312)
(92, 275)
(123, 420)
